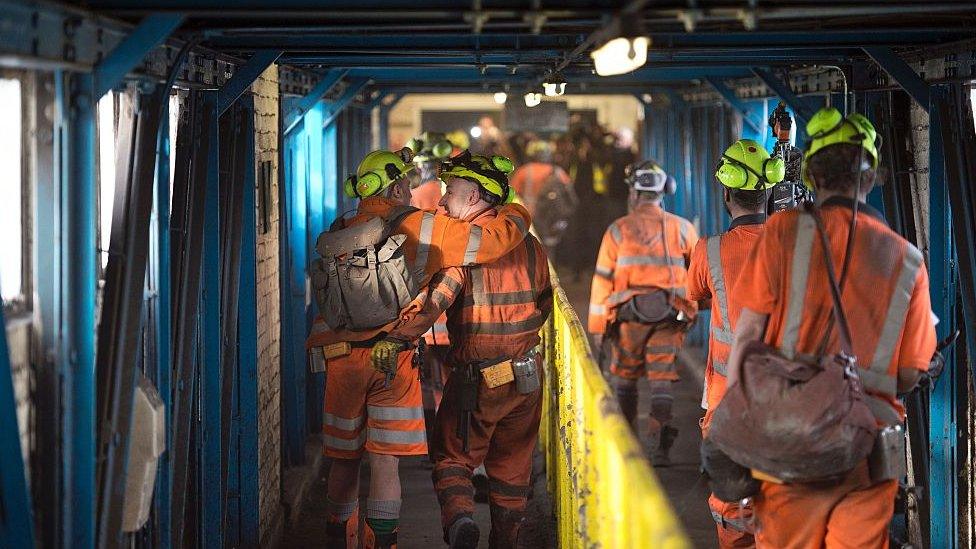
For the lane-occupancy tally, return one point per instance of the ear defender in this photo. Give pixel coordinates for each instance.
(368, 185)
(502, 164)
(731, 174)
(774, 170)
(349, 186)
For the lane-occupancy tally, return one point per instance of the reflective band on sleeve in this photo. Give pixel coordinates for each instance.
(520, 223)
(880, 382)
(722, 336)
(735, 524)
(615, 233)
(630, 260)
(799, 271)
(423, 246)
(685, 237)
(393, 413)
(344, 444)
(397, 437)
(598, 309)
(604, 272)
(714, 253)
(721, 368)
(894, 321)
(341, 422)
(474, 242)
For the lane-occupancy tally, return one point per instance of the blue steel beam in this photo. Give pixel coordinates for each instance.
(335, 109)
(150, 32)
(244, 76)
(77, 356)
(902, 73)
(377, 100)
(16, 522)
(303, 105)
(801, 110)
(733, 100)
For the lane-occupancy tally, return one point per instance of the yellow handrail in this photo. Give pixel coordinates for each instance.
(603, 489)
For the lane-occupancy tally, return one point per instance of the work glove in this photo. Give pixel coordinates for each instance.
(384, 355)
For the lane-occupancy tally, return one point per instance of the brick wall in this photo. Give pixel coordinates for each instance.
(265, 91)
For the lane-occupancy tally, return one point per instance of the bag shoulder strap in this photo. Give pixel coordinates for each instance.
(840, 317)
(397, 215)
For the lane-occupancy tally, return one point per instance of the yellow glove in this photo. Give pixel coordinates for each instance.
(384, 355)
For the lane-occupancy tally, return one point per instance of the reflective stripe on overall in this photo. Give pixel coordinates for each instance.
(875, 377)
(724, 333)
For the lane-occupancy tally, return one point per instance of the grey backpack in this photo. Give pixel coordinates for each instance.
(362, 279)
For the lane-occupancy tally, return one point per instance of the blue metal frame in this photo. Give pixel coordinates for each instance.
(801, 110)
(902, 73)
(150, 33)
(211, 373)
(160, 264)
(244, 76)
(356, 85)
(295, 112)
(16, 521)
(247, 356)
(738, 104)
(78, 275)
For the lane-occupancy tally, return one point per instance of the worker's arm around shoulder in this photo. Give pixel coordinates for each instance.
(459, 243)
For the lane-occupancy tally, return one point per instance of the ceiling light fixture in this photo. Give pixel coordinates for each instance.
(625, 52)
(501, 97)
(554, 85)
(532, 99)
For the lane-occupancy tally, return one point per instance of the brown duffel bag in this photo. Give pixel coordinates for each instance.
(796, 421)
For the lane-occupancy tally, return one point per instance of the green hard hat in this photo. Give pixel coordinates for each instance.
(747, 165)
(431, 147)
(829, 127)
(377, 171)
(489, 173)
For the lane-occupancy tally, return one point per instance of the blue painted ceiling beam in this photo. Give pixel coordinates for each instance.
(902, 73)
(733, 100)
(801, 110)
(356, 85)
(378, 100)
(297, 110)
(150, 32)
(244, 76)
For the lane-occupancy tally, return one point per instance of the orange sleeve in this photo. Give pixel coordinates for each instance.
(602, 286)
(427, 307)
(690, 240)
(919, 340)
(457, 243)
(758, 284)
(698, 289)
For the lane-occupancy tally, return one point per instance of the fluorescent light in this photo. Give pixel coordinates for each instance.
(554, 89)
(532, 99)
(501, 97)
(475, 132)
(621, 55)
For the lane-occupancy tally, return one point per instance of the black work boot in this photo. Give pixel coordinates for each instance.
(463, 534)
(661, 453)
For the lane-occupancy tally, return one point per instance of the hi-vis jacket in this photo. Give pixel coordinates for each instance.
(530, 179)
(427, 196)
(715, 266)
(633, 261)
(435, 241)
(885, 294)
(494, 310)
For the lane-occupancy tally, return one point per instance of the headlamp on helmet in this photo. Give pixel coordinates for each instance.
(649, 177)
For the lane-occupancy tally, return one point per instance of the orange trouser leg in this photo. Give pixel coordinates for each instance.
(732, 524)
(502, 435)
(852, 514)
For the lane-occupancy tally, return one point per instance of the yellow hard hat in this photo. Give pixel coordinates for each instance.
(377, 171)
(829, 127)
(746, 165)
(489, 173)
(430, 146)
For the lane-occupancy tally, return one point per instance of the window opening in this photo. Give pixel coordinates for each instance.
(106, 172)
(12, 191)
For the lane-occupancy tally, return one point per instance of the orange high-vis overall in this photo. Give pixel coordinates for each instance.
(530, 179)
(634, 259)
(356, 397)
(886, 297)
(715, 265)
(494, 312)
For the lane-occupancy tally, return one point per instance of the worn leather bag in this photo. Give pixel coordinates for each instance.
(797, 421)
